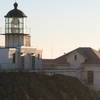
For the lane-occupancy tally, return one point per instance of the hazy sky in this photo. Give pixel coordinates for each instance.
(58, 26)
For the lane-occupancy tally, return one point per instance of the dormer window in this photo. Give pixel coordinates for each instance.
(75, 57)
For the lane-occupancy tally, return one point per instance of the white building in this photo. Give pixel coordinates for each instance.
(18, 53)
(82, 63)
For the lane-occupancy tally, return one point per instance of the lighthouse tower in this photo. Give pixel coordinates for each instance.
(15, 35)
(18, 53)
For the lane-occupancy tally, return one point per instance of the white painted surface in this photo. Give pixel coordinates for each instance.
(6, 55)
(69, 72)
(96, 70)
(76, 63)
(6, 58)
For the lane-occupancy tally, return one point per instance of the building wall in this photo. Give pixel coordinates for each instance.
(14, 41)
(23, 58)
(75, 59)
(27, 40)
(6, 58)
(95, 68)
(63, 71)
(72, 67)
(28, 53)
(17, 40)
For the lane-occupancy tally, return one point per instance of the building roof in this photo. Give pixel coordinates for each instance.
(61, 60)
(92, 56)
(15, 12)
(48, 62)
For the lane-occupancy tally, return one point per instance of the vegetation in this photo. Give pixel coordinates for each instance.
(32, 86)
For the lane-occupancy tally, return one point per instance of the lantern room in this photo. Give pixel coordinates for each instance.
(15, 21)
(15, 35)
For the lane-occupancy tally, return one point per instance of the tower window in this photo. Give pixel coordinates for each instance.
(33, 62)
(38, 56)
(14, 58)
(22, 62)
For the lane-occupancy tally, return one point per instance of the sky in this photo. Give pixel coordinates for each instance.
(58, 26)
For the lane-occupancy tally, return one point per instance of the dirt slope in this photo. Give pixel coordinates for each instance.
(31, 86)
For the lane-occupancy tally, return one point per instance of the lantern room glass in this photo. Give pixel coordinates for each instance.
(15, 25)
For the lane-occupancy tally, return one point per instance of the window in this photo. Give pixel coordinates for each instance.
(75, 57)
(22, 61)
(33, 62)
(38, 56)
(90, 77)
(85, 60)
(14, 58)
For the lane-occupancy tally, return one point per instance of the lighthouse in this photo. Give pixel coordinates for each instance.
(18, 54)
